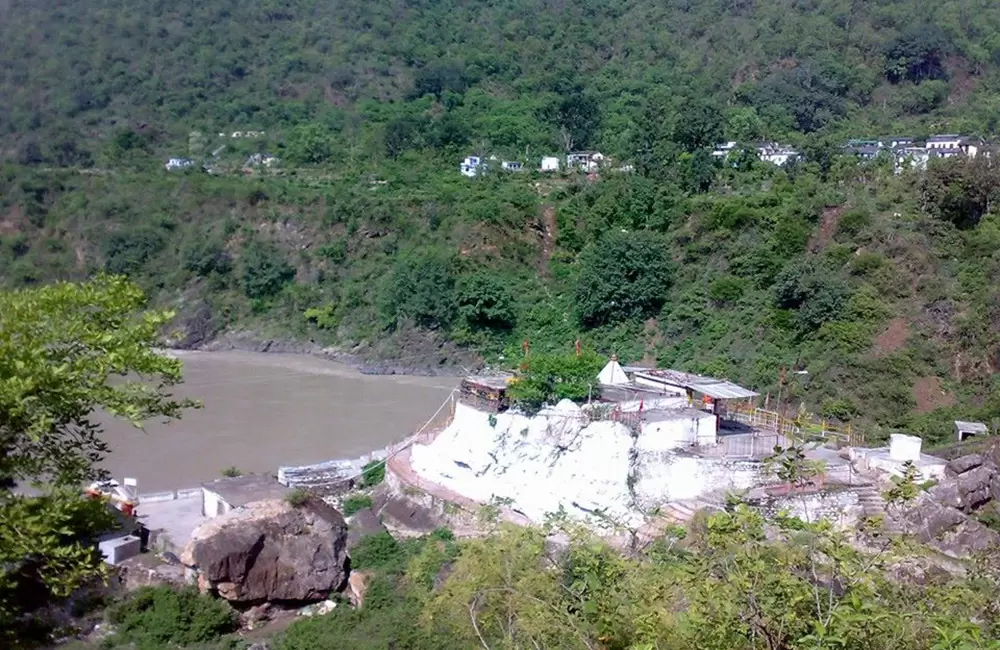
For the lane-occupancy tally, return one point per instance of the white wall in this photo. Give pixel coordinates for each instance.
(677, 432)
(212, 504)
(662, 477)
(560, 459)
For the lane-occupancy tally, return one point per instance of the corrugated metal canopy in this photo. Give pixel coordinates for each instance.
(971, 427)
(714, 388)
(723, 390)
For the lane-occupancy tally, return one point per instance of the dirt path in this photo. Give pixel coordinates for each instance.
(549, 231)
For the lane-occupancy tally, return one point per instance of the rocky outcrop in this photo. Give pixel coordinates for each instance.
(364, 523)
(963, 464)
(969, 489)
(357, 586)
(270, 551)
(944, 516)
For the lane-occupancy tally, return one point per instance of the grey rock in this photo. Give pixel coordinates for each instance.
(964, 463)
(271, 551)
(968, 490)
(405, 514)
(363, 523)
(930, 520)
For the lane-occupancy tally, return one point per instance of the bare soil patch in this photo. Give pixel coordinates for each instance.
(549, 231)
(829, 221)
(892, 338)
(12, 221)
(929, 395)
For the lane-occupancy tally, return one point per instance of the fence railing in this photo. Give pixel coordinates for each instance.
(792, 427)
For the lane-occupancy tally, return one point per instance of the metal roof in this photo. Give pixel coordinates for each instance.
(714, 388)
(971, 427)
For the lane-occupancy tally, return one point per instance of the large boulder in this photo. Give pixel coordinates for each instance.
(947, 529)
(364, 523)
(968, 490)
(271, 551)
(963, 464)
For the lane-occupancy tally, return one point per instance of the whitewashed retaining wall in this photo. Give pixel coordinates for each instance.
(332, 474)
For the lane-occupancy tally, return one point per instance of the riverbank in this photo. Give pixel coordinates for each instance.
(425, 357)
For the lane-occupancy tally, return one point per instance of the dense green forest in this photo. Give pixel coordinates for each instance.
(366, 235)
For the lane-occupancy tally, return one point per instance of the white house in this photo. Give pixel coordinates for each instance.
(671, 428)
(588, 161)
(471, 166)
(723, 150)
(550, 164)
(949, 141)
(179, 163)
(776, 154)
(265, 159)
(511, 166)
(911, 157)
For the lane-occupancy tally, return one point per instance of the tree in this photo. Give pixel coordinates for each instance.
(817, 293)
(961, 190)
(439, 77)
(485, 302)
(579, 118)
(126, 252)
(265, 270)
(401, 133)
(68, 351)
(548, 378)
(917, 54)
(309, 144)
(624, 275)
(699, 125)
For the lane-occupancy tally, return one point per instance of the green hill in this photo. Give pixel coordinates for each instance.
(880, 285)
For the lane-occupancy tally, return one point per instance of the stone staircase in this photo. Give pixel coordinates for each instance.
(681, 512)
(871, 501)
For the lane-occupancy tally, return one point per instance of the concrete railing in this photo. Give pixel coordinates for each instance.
(170, 495)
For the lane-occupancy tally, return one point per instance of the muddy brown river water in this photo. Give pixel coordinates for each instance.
(266, 410)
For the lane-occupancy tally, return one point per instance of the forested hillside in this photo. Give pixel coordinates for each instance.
(882, 286)
(510, 73)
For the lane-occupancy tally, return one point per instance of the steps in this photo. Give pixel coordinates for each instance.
(681, 512)
(871, 501)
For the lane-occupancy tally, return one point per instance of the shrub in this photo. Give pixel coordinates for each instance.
(297, 497)
(154, 617)
(232, 472)
(373, 473)
(377, 551)
(355, 502)
(727, 289)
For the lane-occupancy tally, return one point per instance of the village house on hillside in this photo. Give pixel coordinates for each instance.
(261, 159)
(587, 161)
(549, 164)
(907, 154)
(178, 163)
(771, 152)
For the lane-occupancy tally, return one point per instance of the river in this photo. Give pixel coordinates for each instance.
(265, 410)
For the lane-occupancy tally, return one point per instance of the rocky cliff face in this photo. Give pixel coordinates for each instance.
(271, 551)
(947, 517)
(561, 460)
